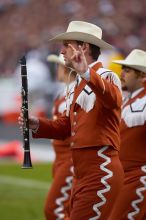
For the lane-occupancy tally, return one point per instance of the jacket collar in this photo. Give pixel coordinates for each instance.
(95, 65)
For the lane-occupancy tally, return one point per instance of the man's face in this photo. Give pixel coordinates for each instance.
(129, 79)
(67, 51)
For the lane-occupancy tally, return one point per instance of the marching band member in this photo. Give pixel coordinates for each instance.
(131, 203)
(57, 201)
(92, 120)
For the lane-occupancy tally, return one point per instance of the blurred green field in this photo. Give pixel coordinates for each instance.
(22, 192)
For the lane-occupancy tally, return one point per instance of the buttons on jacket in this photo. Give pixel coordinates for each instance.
(73, 133)
(72, 144)
(55, 117)
(74, 123)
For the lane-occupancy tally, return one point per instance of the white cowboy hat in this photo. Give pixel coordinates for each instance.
(135, 60)
(83, 31)
(56, 59)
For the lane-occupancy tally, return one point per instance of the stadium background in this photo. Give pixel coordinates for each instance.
(25, 27)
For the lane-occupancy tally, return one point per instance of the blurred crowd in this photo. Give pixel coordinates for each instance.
(28, 24)
(26, 27)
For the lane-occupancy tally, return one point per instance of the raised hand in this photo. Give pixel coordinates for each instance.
(78, 60)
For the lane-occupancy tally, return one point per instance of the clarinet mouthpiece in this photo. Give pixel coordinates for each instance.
(23, 60)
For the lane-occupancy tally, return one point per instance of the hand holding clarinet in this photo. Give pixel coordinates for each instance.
(33, 122)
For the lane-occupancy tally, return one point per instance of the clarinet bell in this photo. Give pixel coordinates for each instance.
(27, 160)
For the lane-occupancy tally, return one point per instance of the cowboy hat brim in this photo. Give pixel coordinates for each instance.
(131, 65)
(88, 38)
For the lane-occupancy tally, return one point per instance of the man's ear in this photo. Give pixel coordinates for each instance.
(143, 75)
(140, 74)
(85, 47)
(144, 80)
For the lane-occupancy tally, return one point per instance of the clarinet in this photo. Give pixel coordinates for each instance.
(24, 94)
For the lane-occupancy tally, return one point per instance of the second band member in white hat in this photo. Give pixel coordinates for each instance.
(131, 203)
(57, 201)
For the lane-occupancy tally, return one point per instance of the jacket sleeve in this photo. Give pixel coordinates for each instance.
(106, 89)
(53, 129)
